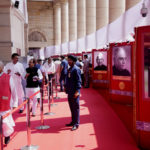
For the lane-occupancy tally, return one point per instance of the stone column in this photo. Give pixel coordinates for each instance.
(131, 3)
(64, 21)
(81, 18)
(102, 13)
(57, 24)
(90, 16)
(116, 8)
(5, 31)
(72, 20)
(26, 38)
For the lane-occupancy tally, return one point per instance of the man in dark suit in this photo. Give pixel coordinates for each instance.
(100, 61)
(120, 59)
(72, 87)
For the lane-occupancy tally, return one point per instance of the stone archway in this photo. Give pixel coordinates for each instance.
(37, 36)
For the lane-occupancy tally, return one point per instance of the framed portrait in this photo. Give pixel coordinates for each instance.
(121, 62)
(100, 61)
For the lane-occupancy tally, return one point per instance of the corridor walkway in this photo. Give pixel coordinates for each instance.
(100, 127)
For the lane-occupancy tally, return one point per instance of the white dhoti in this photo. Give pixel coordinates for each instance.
(19, 89)
(30, 92)
(8, 124)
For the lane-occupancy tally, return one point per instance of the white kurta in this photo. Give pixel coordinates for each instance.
(8, 122)
(18, 67)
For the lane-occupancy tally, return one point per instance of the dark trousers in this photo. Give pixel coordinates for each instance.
(82, 78)
(75, 110)
(61, 80)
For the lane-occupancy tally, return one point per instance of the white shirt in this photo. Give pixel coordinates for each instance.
(81, 63)
(49, 68)
(40, 74)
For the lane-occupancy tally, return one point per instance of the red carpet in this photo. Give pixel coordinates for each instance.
(100, 128)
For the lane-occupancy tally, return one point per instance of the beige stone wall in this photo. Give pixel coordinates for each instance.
(11, 30)
(17, 31)
(41, 20)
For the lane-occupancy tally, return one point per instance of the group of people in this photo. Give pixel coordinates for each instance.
(71, 73)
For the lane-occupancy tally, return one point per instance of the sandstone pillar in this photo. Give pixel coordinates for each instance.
(102, 13)
(64, 21)
(57, 24)
(116, 8)
(72, 20)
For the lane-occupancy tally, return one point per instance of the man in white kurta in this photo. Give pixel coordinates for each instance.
(49, 68)
(17, 72)
(7, 103)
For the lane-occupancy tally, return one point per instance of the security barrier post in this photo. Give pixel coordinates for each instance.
(52, 93)
(29, 146)
(56, 88)
(42, 126)
(49, 101)
(1, 133)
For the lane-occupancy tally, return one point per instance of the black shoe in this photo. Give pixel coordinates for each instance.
(38, 100)
(70, 124)
(20, 111)
(75, 127)
(86, 87)
(7, 140)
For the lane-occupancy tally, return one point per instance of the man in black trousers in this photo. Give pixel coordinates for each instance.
(72, 87)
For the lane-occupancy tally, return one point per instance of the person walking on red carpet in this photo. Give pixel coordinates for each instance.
(72, 87)
(7, 97)
(16, 70)
(32, 76)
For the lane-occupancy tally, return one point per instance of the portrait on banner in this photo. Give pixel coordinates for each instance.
(100, 61)
(121, 60)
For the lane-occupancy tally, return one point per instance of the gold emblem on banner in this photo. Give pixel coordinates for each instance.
(100, 76)
(121, 85)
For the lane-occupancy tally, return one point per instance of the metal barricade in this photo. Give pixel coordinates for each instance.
(42, 126)
(49, 101)
(1, 133)
(29, 146)
(56, 91)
